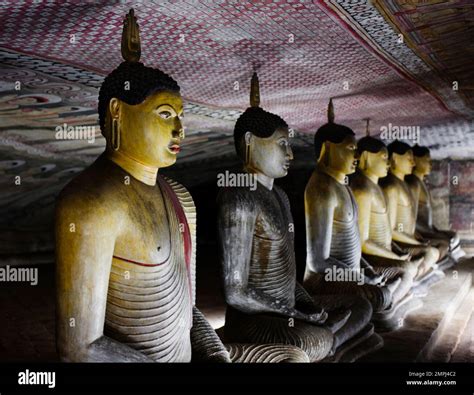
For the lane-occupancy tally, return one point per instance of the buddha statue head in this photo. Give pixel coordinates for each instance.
(335, 146)
(422, 161)
(140, 108)
(401, 158)
(262, 139)
(373, 156)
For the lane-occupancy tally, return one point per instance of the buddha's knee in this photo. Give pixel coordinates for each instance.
(411, 269)
(361, 309)
(431, 256)
(379, 297)
(266, 353)
(316, 341)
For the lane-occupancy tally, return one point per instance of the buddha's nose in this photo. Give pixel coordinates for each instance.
(178, 129)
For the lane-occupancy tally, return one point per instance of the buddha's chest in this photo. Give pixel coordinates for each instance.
(424, 197)
(379, 204)
(405, 197)
(345, 210)
(149, 231)
(273, 220)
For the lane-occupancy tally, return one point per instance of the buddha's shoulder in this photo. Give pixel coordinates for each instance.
(412, 180)
(389, 183)
(238, 197)
(359, 182)
(91, 190)
(321, 186)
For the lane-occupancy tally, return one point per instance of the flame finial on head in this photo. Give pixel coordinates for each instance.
(330, 111)
(367, 127)
(131, 49)
(254, 91)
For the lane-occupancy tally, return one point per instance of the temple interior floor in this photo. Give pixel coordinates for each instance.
(442, 330)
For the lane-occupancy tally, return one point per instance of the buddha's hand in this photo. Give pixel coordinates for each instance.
(313, 318)
(378, 280)
(219, 357)
(318, 318)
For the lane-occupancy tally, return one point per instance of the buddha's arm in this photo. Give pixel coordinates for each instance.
(319, 214)
(85, 241)
(236, 222)
(207, 346)
(305, 303)
(369, 247)
(370, 276)
(391, 196)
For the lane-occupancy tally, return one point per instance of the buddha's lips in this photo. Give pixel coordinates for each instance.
(175, 148)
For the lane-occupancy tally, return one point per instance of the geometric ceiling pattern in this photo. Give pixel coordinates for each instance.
(55, 55)
(441, 33)
(303, 54)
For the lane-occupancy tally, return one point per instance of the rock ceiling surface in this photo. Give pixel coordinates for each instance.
(399, 63)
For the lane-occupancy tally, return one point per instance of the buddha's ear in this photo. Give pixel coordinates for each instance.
(363, 158)
(114, 107)
(394, 160)
(322, 151)
(247, 138)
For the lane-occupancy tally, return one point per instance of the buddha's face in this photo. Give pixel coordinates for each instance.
(343, 156)
(423, 164)
(270, 155)
(151, 131)
(377, 163)
(403, 163)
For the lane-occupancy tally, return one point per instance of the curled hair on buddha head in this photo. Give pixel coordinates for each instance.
(132, 82)
(369, 143)
(141, 80)
(332, 132)
(398, 147)
(420, 150)
(255, 120)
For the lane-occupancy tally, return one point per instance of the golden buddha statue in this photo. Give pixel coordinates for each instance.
(402, 211)
(373, 219)
(334, 263)
(447, 241)
(125, 236)
(265, 302)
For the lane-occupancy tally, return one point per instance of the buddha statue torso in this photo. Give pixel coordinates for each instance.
(445, 241)
(150, 289)
(344, 239)
(423, 199)
(405, 218)
(379, 222)
(272, 265)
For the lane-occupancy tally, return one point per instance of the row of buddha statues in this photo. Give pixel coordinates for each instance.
(126, 238)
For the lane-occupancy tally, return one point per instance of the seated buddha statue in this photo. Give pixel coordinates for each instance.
(445, 240)
(266, 304)
(334, 262)
(125, 235)
(373, 218)
(402, 210)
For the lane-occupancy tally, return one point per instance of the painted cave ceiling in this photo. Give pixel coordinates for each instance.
(400, 63)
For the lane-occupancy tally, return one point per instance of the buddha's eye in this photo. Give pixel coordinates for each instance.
(165, 114)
